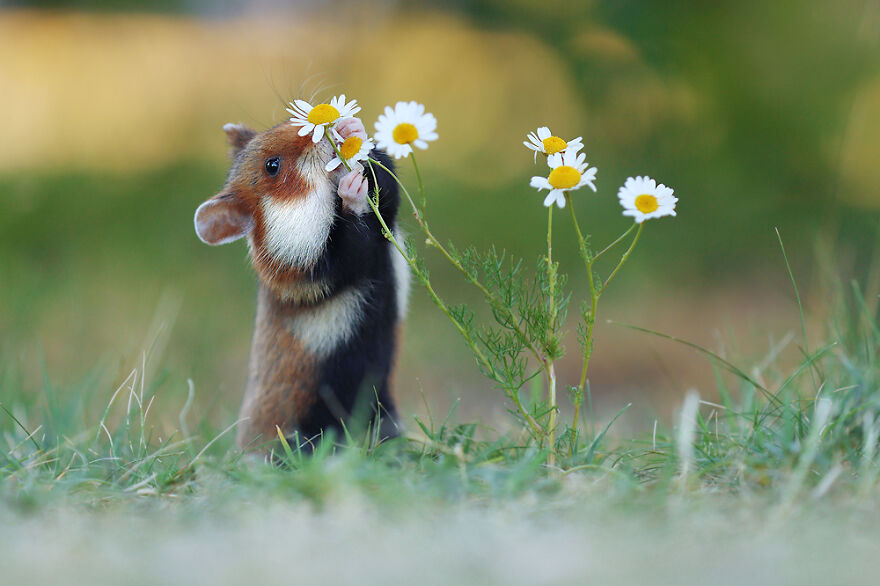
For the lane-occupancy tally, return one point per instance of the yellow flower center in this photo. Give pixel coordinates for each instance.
(564, 177)
(350, 147)
(554, 144)
(405, 133)
(646, 203)
(322, 114)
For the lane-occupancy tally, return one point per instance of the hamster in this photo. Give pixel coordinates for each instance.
(332, 289)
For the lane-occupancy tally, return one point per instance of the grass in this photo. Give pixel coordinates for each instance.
(117, 463)
(785, 438)
(125, 471)
(745, 490)
(785, 461)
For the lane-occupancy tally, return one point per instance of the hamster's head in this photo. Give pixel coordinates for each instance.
(279, 196)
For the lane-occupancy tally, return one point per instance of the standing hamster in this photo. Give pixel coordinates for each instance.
(332, 290)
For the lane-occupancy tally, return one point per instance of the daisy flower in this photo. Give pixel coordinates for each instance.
(643, 199)
(352, 149)
(317, 119)
(542, 141)
(570, 171)
(406, 125)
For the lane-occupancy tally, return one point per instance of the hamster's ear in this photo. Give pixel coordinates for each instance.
(222, 219)
(238, 136)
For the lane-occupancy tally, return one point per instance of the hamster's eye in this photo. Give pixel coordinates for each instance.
(273, 165)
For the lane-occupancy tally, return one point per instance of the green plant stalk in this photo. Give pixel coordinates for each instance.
(374, 205)
(432, 240)
(623, 259)
(589, 261)
(797, 294)
(336, 148)
(418, 215)
(548, 364)
(412, 156)
(617, 241)
(594, 300)
(28, 434)
(445, 309)
(814, 374)
(572, 448)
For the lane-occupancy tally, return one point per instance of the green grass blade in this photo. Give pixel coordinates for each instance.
(727, 365)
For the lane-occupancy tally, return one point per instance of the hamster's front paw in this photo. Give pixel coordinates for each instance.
(353, 188)
(351, 127)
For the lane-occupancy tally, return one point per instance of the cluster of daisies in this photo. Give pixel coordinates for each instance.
(397, 130)
(641, 197)
(407, 125)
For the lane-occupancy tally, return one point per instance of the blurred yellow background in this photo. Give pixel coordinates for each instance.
(760, 116)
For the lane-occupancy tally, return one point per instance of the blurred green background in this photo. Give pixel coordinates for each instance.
(759, 114)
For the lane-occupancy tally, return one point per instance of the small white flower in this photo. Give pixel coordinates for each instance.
(643, 199)
(542, 141)
(316, 119)
(406, 125)
(570, 171)
(353, 149)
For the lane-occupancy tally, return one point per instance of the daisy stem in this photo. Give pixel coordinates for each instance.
(623, 258)
(486, 363)
(492, 299)
(416, 210)
(590, 321)
(338, 152)
(551, 332)
(590, 317)
(616, 241)
(412, 155)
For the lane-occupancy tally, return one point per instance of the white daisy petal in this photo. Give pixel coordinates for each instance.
(540, 183)
(643, 199)
(638, 216)
(568, 172)
(588, 178)
(545, 142)
(421, 132)
(327, 115)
